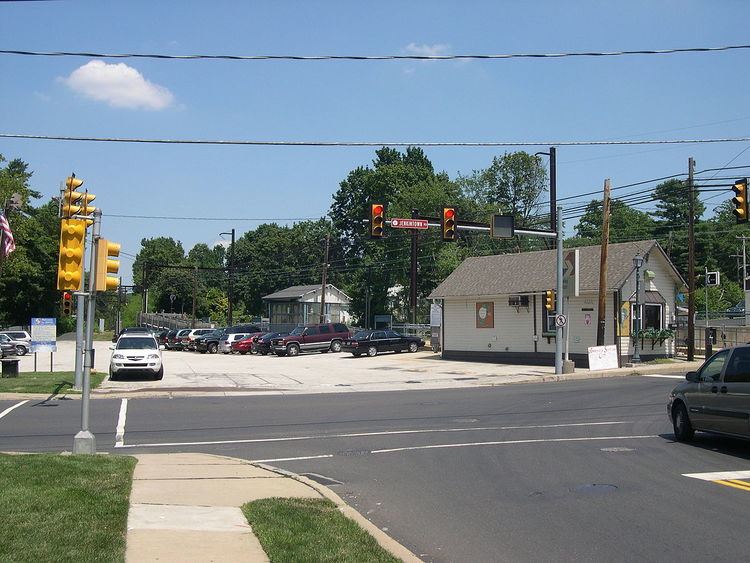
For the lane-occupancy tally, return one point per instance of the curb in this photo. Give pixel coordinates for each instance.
(384, 540)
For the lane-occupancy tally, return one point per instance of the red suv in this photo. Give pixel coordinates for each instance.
(311, 338)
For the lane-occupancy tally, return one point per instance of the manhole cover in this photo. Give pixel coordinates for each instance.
(595, 489)
(322, 479)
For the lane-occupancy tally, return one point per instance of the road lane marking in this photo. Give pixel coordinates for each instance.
(742, 485)
(9, 409)
(506, 442)
(663, 376)
(364, 434)
(719, 475)
(120, 433)
(291, 458)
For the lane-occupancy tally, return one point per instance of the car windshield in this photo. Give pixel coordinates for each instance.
(362, 335)
(136, 343)
(297, 331)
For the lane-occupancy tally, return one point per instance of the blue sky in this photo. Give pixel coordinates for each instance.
(635, 97)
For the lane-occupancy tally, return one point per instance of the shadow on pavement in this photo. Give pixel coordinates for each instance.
(734, 447)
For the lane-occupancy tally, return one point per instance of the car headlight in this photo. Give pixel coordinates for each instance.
(118, 357)
(153, 356)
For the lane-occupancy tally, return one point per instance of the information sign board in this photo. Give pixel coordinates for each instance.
(43, 334)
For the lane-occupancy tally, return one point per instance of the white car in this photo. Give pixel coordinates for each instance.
(136, 353)
(22, 347)
(18, 335)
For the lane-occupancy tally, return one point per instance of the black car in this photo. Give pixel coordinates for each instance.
(371, 342)
(209, 342)
(262, 346)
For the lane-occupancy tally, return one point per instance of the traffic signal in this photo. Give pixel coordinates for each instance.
(67, 304)
(76, 203)
(377, 220)
(740, 200)
(70, 261)
(105, 266)
(448, 224)
(549, 300)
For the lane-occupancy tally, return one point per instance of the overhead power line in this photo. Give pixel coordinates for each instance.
(188, 218)
(277, 143)
(408, 57)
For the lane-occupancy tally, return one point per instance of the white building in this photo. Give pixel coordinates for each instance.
(493, 306)
(300, 305)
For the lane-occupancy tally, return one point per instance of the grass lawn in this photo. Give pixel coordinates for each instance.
(64, 508)
(302, 530)
(45, 382)
(106, 335)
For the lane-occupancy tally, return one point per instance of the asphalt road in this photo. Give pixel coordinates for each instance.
(580, 470)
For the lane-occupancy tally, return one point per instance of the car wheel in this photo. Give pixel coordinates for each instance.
(213, 348)
(21, 350)
(683, 430)
(336, 346)
(112, 376)
(372, 351)
(292, 350)
(413, 347)
(160, 374)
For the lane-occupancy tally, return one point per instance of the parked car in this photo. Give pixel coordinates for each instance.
(136, 353)
(132, 330)
(188, 340)
(225, 344)
(209, 342)
(263, 345)
(246, 344)
(372, 342)
(716, 398)
(18, 335)
(161, 336)
(21, 347)
(312, 338)
(736, 311)
(6, 348)
(175, 342)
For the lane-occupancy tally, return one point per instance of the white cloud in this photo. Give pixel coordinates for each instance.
(119, 86)
(427, 50)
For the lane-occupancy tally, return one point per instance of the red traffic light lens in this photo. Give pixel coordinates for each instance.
(377, 209)
(449, 213)
(67, 296)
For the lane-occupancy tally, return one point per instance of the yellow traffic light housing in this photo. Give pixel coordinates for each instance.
(549, 300)
(377, 220)
(70, 261)
(105, 266)
(77, 203)
(448, 224)
(73, 183)
(67, 303)
(740, 200)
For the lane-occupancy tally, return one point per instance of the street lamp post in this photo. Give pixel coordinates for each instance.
(230, 265)
(638, 263)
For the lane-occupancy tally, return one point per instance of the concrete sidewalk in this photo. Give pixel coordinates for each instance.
(186, 507)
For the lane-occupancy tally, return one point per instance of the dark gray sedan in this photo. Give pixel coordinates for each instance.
(716, 398)
(372, 342)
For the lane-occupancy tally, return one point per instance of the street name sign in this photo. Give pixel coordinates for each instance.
(410, 223)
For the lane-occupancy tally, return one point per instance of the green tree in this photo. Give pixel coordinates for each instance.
(625, 223)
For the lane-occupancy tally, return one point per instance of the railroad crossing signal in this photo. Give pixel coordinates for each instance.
(377, 220)
(549, 300)
(70, 260)
(105, 266)
(67, 304)
(740, 200)
(448, 224)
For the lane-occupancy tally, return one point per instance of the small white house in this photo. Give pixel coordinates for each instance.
(493, 307)
(300, 304)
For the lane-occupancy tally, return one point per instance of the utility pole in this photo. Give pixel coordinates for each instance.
(553, 188)
(229, 288)
(324, 282)
(413, 283)
(195, 293)
(601, 323)
(367, 297)
(558, 328)
(691, 263)
(84, 442)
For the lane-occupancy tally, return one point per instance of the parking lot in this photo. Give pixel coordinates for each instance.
(307, 373)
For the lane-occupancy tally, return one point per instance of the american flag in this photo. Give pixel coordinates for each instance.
(9, 244)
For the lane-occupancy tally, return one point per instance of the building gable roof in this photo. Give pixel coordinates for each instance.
(298, 291)
(534, 272)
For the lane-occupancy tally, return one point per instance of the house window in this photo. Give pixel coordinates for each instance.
(652, 315)
(548, 319)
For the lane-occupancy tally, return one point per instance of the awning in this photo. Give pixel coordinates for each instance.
(650, 298)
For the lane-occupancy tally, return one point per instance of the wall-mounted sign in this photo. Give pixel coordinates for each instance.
(486, 314)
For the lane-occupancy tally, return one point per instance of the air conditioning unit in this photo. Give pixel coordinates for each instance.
(518, 301)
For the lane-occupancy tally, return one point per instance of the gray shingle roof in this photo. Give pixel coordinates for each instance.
(534, 272)
(294, 292)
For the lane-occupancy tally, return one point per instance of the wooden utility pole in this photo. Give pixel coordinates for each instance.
(324, 282)
(413, 282)
(601, 323)
(691, 263)
(195, 293)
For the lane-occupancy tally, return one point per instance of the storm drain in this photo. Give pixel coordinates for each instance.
(322, 479)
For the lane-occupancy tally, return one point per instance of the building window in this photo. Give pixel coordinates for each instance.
(652, 315)
(548, 319)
